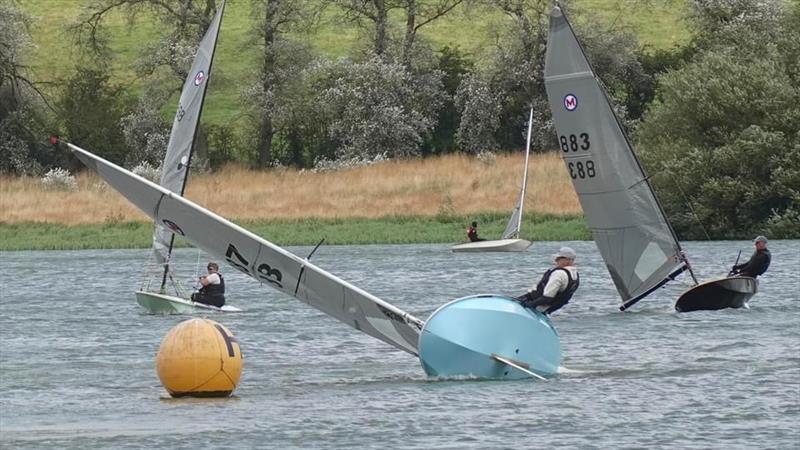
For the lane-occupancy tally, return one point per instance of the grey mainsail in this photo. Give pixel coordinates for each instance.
(515, 222)
(261, 259)
(631, 231)
(175, 168)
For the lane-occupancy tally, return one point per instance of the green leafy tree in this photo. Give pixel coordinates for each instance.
(376, 107)
(723, 137)
(91, 109)
(21, 103)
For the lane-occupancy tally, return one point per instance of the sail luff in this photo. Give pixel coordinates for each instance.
(631, 230)
(220, 12)
(525, 170)
(515, 221)
(177, 160)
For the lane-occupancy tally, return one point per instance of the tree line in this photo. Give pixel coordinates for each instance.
(715, 120)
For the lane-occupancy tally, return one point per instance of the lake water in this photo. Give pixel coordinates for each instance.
(77, 362)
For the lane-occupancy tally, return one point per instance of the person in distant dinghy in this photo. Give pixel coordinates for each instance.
(472, 233)
(557, 285)
(758, 263)
(213, 290)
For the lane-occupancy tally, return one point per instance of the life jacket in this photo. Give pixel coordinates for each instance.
(472, 234)
(565, 295)
(215, 289)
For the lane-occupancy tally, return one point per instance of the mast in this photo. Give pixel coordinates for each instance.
(646, 180)
(628, 221)
(525, 172)
(195, 125)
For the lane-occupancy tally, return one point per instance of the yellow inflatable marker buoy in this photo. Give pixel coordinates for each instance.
(199, 358)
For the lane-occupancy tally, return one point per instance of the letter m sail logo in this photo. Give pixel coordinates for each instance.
(570, 102)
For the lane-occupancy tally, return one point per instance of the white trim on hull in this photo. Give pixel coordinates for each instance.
(497, 245)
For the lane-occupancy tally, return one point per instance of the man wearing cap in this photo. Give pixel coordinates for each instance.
(758, 263)
(557, 285)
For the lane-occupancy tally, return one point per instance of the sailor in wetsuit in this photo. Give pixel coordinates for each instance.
(556, 286)
(758, 263)
(213, 290)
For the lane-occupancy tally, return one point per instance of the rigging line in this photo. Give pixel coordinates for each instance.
(303, 267)
(688, 203)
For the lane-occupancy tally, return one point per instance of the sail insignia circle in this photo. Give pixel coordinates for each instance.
(173, 226)
(570, 102)
(199, 78)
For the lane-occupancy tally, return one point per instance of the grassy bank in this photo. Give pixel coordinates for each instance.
(414, 201)
(384, 230)
(452, 185)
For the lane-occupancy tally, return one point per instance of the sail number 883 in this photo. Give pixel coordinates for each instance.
(574, 143)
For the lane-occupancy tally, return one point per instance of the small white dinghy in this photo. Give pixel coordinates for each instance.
(497, 245)
(510, 242)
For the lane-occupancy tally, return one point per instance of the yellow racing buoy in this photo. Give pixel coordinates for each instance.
(199, 358)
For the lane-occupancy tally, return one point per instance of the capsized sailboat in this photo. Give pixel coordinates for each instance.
(634, 236)
(510, 241)
(485, 336)
(161, 293)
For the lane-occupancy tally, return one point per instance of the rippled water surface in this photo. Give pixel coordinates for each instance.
(77, 360)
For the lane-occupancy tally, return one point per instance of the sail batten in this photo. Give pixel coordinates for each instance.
(631, 230)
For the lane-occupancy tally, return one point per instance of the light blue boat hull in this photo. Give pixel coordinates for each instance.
(460, 338)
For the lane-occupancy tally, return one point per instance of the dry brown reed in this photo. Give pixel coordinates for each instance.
(452, 184)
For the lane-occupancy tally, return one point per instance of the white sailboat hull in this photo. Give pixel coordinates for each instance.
(497, 245)
(156, 303)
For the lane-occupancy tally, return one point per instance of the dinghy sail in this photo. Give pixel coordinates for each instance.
(628, 224)
(261, 259)
(515, 222)
(632, 232)
(510, 241)
(176, 165)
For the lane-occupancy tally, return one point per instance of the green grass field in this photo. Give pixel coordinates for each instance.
(658, 24)
(387, 230)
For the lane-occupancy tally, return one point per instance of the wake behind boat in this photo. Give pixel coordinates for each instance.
(629, 226)
(510, 242)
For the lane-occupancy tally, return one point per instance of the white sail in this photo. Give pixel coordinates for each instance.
(630, 229)
(175, 167)
(515, 222)
(261, 259)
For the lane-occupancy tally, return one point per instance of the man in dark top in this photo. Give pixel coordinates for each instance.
(758, 263)
(472, 233)
(213, 290)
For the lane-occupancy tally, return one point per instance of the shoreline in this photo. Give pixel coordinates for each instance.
(28, 236)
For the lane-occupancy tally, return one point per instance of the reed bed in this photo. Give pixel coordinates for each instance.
(451, 185)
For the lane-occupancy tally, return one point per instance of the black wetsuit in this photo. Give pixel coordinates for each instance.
(755, 266)
(212, 294)
(533, 299)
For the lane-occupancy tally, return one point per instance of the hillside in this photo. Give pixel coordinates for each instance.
(658, 25)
